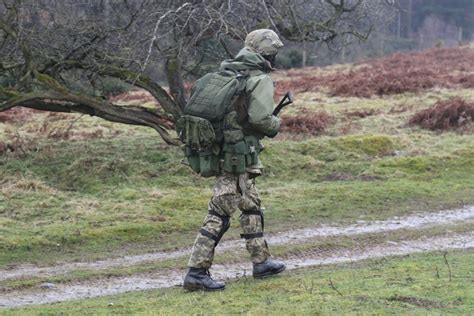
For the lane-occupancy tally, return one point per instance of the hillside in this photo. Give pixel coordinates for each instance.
(388, 140)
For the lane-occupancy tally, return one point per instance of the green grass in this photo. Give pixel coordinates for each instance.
(99, 197)
(114, 189)
(87, 198)
(414, 285)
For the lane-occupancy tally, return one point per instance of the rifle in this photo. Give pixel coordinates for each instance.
(286, 100)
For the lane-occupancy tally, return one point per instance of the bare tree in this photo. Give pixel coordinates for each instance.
(55, 54)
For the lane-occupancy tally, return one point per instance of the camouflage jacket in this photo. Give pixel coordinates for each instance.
(259, 90)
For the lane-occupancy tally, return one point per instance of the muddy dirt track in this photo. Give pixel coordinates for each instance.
(169, 278)
(295, 236)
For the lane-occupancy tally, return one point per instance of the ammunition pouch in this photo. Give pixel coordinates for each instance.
(239, 156)
(205, 162)
(202, 148)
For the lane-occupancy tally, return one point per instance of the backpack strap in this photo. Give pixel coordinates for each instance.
(239, 97)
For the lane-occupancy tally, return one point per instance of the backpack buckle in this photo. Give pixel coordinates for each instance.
(252, 149)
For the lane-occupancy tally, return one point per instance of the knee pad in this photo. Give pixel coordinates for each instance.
(225, 227)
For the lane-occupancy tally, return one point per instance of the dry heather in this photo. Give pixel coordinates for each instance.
(394, 74)
(445, 115)
(306, 122)
(18, 114)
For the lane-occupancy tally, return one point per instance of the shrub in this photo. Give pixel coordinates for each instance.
(16, 115)
(306, 122)
(445, 115)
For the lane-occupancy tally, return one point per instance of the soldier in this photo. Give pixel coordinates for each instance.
(234, 191)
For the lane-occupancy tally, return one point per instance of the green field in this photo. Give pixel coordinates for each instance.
(107, 190)
(410, 285)
(126, 192)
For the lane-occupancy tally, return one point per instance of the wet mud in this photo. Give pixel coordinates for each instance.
(171, 278)
(416, 221)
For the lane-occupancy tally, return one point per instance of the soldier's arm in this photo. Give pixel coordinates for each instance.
(260, 106)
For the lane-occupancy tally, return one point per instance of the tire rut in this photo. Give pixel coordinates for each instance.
(171, 278)
(414, 221)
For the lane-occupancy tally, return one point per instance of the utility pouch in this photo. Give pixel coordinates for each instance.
(254, 147)
(208, 164)
(193, 158)
(204, 162)
(235, 157)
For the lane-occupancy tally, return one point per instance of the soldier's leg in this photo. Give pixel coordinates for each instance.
(251, 220)
(206, 240)
(224, 202)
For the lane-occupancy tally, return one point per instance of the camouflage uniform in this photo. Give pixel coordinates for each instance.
(231, 193)
(234, 192)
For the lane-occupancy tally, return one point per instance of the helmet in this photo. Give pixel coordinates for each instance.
(263, 41)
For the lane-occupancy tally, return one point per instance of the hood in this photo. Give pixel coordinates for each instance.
(247, 60)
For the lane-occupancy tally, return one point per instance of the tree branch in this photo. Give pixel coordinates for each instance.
(105, 109)
(142, 81)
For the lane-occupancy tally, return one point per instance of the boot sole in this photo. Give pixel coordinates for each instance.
(195, 287)
(268, 274)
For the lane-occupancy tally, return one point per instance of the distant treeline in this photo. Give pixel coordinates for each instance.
(418, 24)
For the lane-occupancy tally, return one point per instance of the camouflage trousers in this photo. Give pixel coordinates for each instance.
(231, 193)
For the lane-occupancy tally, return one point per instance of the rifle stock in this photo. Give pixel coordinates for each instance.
(286, 100)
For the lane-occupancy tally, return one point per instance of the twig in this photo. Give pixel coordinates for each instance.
(72, 123)
(447, 264)
(155, 34)
(269, 15)
(437, 272)
(334, 287)
(20, 143)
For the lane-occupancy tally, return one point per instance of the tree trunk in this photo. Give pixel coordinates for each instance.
(305, 55)
(399, 26)
(175, 80)
(409, 20)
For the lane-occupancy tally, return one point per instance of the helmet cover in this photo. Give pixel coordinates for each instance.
(263, 41)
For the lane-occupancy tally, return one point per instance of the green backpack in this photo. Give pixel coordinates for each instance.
(200, 128)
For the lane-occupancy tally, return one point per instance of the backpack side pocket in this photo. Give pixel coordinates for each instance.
(197, 133)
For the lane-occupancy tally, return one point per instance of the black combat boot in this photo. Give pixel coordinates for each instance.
(200, 279)
(267, 268)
